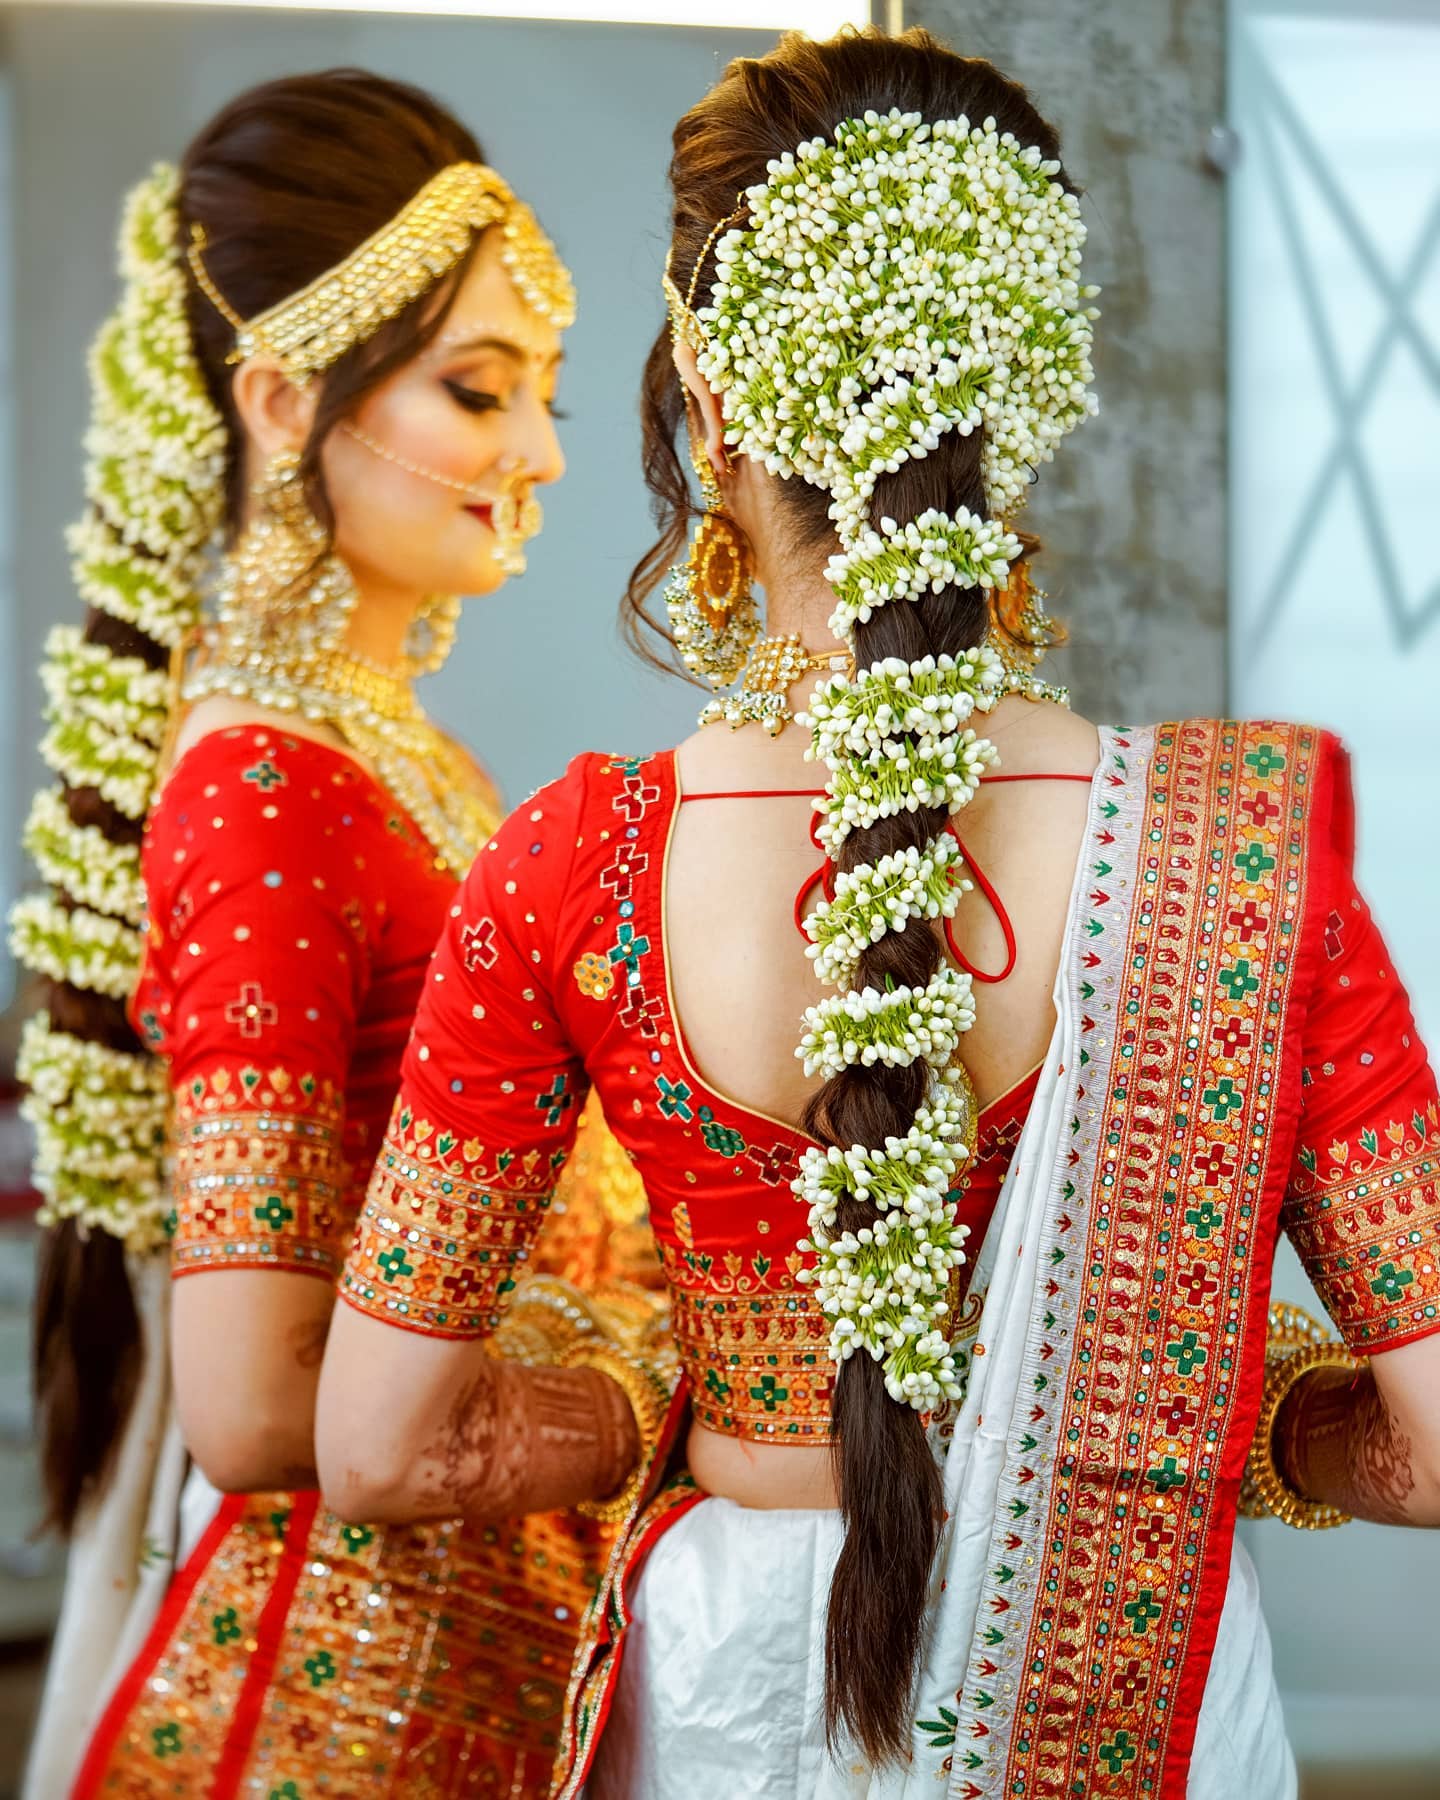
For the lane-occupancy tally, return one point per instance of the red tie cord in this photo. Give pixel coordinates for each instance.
(760, 794)
(825, 874)
(997, 906)
(985, 780)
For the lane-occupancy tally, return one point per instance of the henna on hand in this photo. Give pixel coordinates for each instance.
(1336, 1442)
(519, 1439)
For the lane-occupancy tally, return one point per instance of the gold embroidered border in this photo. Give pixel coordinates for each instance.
(409, 1659)
(438, 1246)
(1369, 1231)
(1170, 1277)
(258, 1172)
(758, 1364)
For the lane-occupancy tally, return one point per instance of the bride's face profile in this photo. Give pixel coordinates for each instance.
(414, 475)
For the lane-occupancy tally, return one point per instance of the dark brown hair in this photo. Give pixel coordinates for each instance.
(889, 1484)
(287, 180)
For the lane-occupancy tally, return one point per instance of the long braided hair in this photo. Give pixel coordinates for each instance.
(757, 116)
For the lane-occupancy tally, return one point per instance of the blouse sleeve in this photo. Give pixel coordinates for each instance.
(490, 1094)
(1363, 1204)
(262, 913)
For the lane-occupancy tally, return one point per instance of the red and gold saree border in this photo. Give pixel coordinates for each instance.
(1098, 1619)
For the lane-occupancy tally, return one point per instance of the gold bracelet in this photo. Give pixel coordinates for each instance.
(646, 1388)
(1296, 1344)
(545, 1318)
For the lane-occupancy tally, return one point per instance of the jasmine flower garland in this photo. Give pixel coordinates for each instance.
(71, 943)
(897, 1027)
(881, 897)
(154, 484)
(82, 861)
(885, 1286)
(99, 1118)
(896, 282)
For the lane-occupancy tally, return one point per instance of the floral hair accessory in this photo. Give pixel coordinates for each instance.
(895, 283)
(883, 287)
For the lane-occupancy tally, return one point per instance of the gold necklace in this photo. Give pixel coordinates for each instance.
(762, 695)
(378, 715)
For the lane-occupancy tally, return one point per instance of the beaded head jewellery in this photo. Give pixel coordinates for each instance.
(403, 260)
(893, 282)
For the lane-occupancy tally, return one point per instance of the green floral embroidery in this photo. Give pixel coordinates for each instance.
(1189, 1354)
(226, 1626)
(674, 1098)
(287, 1791)
(274, 1213)
(769, 1393)
(1117, 1751)
(1254, 861)
(392, 1263)
(942, 1730)
(165, 1739)
(1391, 1282)
(1238, 981)
(264, 775)
(556, 1100)
(1223, 1099)
(722, 1139)
(1204, 1218)
(321, 1668)
(1265, 760)
(627, 950)
(356, 1537)
(1168, 1475)
(1142, 1612)
(717, 1385)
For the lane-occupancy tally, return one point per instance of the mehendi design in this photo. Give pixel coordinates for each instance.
(1337, 1442)
(521, 1440)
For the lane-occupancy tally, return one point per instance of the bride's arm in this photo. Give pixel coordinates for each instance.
(417, 1416)
(413, 1427)
(1368, 1441)
(1363, 1210)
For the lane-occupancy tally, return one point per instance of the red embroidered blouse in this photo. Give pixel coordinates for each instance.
(551, 976)
(292, 910)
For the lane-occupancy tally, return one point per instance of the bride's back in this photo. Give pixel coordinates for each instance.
(739, 976)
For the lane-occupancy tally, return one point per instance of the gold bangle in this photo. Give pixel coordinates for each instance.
(1296, 1344)
(545, 1318)
(646, 1388)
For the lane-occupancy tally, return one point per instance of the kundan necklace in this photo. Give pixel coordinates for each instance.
(772, 669)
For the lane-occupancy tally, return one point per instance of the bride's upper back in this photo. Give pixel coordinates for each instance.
(740, 853)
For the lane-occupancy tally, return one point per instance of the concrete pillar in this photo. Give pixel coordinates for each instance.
(1133, 508)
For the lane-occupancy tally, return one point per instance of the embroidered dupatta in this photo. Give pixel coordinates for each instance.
(1092, 1473)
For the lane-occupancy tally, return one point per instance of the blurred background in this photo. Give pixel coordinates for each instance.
(1252, 525)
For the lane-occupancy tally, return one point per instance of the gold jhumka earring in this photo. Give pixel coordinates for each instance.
(709, 596)
(284, 596)
(1020, 633)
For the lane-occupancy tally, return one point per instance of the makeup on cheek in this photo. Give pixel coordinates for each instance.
(514, 514)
